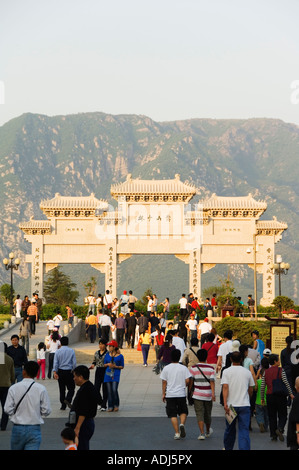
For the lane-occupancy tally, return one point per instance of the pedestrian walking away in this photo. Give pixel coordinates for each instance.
(237, 386)
(203, 378)
(278, 389)
(57, 321)
(175, 380)
(131, 329)
(293, 422)
(27, 404)
(178, 342)
(41, 360)
(32, 313)
(121, 328)
(105, 324)
(145, 341)
(64, 364)
(52, 346)
(92, 326)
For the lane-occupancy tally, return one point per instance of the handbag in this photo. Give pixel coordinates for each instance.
(278, 387)
(109, 306)
(191, 391)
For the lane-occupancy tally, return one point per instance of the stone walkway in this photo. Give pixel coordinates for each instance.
(141, 422)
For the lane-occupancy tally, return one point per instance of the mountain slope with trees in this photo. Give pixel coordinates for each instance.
(79, 154)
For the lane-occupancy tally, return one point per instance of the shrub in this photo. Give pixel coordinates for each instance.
(3, 318)
(282, 302)
(50, 310)
(242, 329)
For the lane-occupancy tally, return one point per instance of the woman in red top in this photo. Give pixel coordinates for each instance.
(158, 339)
(212, 349)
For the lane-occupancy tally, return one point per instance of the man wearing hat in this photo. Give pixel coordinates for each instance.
(267, 352)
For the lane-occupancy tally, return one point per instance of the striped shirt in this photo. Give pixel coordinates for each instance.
(202, 388)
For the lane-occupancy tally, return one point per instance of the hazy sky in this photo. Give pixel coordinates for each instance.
(167, 59)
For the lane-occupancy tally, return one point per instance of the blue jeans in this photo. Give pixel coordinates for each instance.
(261, 414)
(19, 374)
(243, 418)
(113, 397)
(25, 437)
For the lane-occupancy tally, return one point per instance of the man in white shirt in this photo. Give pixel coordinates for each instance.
(91, 303)
(183, 307)
(175, 378)
(107, 302)
(237, 387)
(27, 403)
(224, 349)
(18, 305)
(57, 321)
(178, 342)
(203, 331)
(191, 326)
(105, 324)
(150, 304)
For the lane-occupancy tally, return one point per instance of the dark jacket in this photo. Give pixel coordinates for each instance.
(142, 322)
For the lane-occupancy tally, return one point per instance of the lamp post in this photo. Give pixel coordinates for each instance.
(9, 264)
(280, 268)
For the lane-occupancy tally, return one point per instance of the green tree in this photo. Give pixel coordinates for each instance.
(90, 286)
(218, 290)
(144, 300)
(59, 289)
(5, 293)
(283, 303)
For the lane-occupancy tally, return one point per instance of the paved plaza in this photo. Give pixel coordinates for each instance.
(141, 423)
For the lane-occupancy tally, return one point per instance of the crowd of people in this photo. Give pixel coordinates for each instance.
(190, 356)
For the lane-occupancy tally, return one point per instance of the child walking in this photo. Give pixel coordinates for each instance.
(41, 360)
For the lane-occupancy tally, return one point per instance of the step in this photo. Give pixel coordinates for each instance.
(131, 356)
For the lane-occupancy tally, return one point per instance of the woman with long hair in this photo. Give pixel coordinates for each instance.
(52, 346)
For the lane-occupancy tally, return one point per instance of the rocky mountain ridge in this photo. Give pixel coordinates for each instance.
(86, 153)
